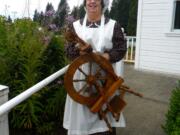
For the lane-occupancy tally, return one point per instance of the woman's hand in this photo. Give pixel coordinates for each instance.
(105, 55)
(85, 49)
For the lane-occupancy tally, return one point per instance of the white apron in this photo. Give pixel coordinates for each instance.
(78, 119)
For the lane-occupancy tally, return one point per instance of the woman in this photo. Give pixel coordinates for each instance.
(106, 38)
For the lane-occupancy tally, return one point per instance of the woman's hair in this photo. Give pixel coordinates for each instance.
(102, 3)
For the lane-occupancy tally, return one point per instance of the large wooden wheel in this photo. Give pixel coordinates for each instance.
(88, 78)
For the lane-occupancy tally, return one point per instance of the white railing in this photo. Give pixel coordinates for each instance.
(131, 44)
(6, 107)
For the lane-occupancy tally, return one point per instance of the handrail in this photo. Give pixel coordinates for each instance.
(6, 107)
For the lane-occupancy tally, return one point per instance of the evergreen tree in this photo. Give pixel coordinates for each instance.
(36, 16)
(106, 13)
(49, 7)
(41, 18)
(81, 11)
(49, 14)
(61, 13)
(9, 19)
(120, 12)
(74, 12)
(131, 28)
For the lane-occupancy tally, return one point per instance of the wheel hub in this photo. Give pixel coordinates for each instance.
(91, 79)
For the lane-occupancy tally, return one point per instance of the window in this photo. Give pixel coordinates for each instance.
(173, 28)
(177, 15)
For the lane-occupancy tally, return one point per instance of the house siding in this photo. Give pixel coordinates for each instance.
(155, 50)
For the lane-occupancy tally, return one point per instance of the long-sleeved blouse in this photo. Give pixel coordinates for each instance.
(117, 51)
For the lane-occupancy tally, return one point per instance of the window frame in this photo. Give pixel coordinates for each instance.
(171, 31)
(174, 16)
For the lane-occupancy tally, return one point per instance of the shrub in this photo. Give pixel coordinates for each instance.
(22, 59)
(53, 59)
(172, 125)
(26, 60)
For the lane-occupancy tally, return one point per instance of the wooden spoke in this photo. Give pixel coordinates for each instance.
(79, 80)
(99, 88)
(102, 78)
(83, 88)
(82, 71)
(89, 88)
(98, 71)
(90, 68)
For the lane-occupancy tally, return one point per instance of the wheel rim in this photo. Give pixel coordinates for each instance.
(92, 80)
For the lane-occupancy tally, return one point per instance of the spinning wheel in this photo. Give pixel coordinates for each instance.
(90, 80)
(95, 75)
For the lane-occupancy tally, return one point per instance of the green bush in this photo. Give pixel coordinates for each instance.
(25, 60)
(20, 55)
(172, 125)
(53, 59)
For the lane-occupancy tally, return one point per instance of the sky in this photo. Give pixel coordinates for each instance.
(19, 8)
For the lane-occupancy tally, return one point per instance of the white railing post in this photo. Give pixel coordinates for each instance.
(127, 53)
(4, 126)
(131, 44)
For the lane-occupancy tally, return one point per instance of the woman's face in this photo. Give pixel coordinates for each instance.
(93, 6)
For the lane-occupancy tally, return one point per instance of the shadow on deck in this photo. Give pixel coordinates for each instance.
(145, 116)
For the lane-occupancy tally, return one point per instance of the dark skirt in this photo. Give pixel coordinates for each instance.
(106, 133)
